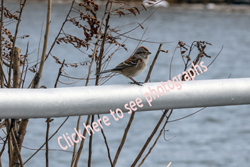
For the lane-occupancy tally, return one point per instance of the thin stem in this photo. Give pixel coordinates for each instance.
(98, 68)
(153, 63)
(14, 41)
(66, 19)
(96, 45)
(59, 74)
(46, 36)
(25, 58)
(151, 148)
(8, 138)
(4, 143)
(48, 120)
(149, 138)
(90, 143)
(78, 154)
(45, 142)
(123, 138)
(75, 144)
(1, 46)
(106, 143)
(133, 113)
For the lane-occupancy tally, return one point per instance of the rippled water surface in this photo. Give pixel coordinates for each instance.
(216, 136)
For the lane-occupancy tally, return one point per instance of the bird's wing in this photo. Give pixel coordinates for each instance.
(130, 62)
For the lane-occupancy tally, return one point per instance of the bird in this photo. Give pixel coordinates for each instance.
(133, 66)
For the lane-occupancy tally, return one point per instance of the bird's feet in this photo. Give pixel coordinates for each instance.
(137, 83)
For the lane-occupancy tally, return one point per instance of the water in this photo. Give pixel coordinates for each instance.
(216, 136)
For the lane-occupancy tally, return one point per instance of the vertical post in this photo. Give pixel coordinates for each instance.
(16, 68)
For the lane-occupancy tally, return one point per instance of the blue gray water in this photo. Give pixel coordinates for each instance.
(216, 136)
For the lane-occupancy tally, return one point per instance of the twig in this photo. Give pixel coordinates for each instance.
(4, 143)
(96, 45)
(74, 155)
(38, 75)
(98, 68)
(59, 74)
(170, 67)
(75, 144)
(60, 150)
(78, 154)
(2, 75)
(8, 138)
(123, 34)
(140, 42)
(25, 58)
(97, 78)
(149, 138)
(14, 41)
(147, 41)
(90, 143)
(39, 45)
(216, 57)
(123, 138)
(66, 19)
(26, 70)
(1, 51)
(156, 139)
(188, 115)
(45, 142)
(106, 143)
(132, 115)
(106, 63)
(45, 43)
(153, 63)
(48, 119)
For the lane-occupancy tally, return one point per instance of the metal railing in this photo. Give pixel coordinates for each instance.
(60, 102)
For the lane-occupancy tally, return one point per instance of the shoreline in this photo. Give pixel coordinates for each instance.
(228, 8)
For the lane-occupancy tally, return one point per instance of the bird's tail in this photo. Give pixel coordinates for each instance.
(104, 72)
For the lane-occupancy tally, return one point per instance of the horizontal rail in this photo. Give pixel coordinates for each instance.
(60, 102)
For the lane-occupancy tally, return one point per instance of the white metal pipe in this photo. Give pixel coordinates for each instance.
(60, 102)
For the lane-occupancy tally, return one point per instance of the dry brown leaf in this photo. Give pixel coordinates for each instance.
(132, 11)
(137, 10)
(144, 7)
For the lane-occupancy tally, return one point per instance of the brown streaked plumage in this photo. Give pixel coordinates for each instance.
(132, 66)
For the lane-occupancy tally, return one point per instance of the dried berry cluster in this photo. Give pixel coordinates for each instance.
(76, 42)
(186, 50)
(7, 37)
(87, 21)
(9, 15)
(89, 26)
(133, 10)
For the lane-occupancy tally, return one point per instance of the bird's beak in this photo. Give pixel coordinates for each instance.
(149, 53)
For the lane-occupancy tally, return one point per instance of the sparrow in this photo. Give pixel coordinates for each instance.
(133, 66)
